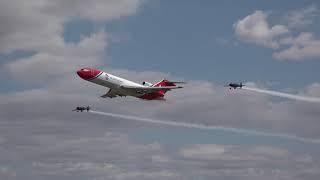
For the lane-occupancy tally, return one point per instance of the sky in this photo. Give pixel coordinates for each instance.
(273, 45)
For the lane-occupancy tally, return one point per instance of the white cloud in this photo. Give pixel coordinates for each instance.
(206, 104)
(313, 90)
(208, 151)
(99, 171)
(38, 126)
(304, 46)
(7, 173)
(302, 17)
(60, 59)
(270, 152)
(111, 156)
(38, 24)
(231, 152)
(255, 28)
(96, 10)
(244, 161)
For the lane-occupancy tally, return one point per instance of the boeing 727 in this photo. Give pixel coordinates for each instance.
(123, 87)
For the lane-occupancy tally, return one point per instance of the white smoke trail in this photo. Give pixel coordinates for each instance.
(205, 127)
(285, 95)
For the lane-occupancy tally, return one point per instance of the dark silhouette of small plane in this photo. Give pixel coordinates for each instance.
(235, 85)
(82, 108)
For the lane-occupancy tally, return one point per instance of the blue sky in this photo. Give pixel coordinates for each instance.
(196, 41)
(207, 43)
(191, 41)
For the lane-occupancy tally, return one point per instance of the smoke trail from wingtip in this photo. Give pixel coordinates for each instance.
(205, 127)
(284, 95)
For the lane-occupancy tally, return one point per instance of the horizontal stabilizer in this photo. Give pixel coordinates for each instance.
(178, 82)
(165, 82)
(146, 89)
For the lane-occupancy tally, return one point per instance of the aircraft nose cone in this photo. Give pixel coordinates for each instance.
(88, 73)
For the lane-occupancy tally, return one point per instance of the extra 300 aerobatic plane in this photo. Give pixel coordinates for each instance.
(235, 85)
(123, 87)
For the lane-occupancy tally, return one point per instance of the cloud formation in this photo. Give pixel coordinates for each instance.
(40, 138)
(244, 162)
(60, 59)
(55, 143)
(304, 46)
(256, 29)
(37, 27)
(303, 17)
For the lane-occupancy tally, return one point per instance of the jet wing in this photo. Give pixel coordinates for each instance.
(146, 89)
(111, 94)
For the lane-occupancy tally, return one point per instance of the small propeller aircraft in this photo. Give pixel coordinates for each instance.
(82, 108)
(118, 86)
(235, 85)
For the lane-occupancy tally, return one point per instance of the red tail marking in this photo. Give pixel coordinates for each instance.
(164, 83)
(159, 94)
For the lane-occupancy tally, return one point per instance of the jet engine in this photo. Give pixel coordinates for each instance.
(147, 84)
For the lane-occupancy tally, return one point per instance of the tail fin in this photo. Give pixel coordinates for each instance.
(165, 82)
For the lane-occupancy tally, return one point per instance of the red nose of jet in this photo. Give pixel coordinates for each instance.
(88, 73)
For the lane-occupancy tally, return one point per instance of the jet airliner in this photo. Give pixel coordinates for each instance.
(123, 87)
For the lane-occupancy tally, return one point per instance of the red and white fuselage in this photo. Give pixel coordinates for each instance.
(123, 87)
